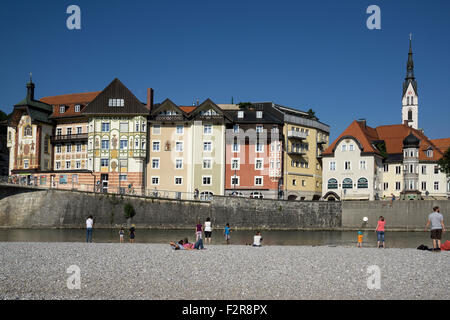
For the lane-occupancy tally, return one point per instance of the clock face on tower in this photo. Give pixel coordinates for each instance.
(410, 92)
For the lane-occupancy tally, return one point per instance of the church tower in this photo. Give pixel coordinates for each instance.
(410, 98)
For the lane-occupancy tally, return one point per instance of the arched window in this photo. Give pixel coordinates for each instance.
(410, 114)
(28, 131)
(363, 183)
(332, 183)
(347, 183)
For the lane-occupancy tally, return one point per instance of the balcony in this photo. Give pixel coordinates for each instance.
(296, 152)
(321, 140)
(296, 135)
(69, 137)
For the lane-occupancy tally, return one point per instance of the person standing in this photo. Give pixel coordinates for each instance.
(227, 232)
(198, 231)
(360, 239)
(436, 220)
(208, 230)
(121, 234)
(89, 226)
(380, 232)
(132, 233)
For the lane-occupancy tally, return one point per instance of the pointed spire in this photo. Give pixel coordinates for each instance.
(30, 89)
(410, 63)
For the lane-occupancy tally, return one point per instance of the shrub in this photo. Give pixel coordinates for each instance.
(129, 211)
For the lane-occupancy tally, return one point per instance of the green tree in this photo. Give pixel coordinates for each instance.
(444, 162)
(129, 211)
(3, 116)
(312, 115)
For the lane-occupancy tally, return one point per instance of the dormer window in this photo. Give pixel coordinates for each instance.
(240, 114)
(62, 109)
(430, 153)
(259, 114)
(77, 108)
(116, 103)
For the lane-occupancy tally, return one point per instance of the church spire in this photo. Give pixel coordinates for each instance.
(410, 63)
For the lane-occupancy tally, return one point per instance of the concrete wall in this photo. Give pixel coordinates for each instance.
(401, 215)
(65, 209)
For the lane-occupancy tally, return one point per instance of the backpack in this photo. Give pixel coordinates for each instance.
(423, 247)
(445, 246)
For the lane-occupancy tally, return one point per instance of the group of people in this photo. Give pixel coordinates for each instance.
(90, 225)
(435, 222)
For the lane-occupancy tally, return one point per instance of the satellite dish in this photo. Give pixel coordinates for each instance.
(365, 219)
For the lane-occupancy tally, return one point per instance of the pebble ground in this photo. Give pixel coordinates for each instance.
(155, 271)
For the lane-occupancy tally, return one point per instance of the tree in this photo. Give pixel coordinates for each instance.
(444, 162)
(129, 211)
(312, 115)
(3, 116)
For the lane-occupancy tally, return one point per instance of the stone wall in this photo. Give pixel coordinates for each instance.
(65, 209)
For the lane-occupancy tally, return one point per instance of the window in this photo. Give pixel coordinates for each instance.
(259, 114)
(62, 109)
(363, 183)
(26, 164)
(303, 183)
(137, 126)
(105, 126)
(178, 163)
(410, 115)
(207, 129)
(178, 180)
(347, 165)
(332, 183)
(206, 163)
(46, 143)
(58, 165)
(424, 169)
(259, 147)
(68, 148)
(235, 181)
(69, 131)
(347, 183)
(123, 144)
(332, 166)
(424, 186)
(385, 185)
(116, 103)
(155, 163)
(79, 130)
(235, 164)
(398, 169)
(123, 177)
(206, 180)
(430, 153)
(136, 143)
(386, 168)
(143, 144)
(28, 131)
(351, 147)
(156, 146)
(259, 129)
(344, 147)
(240, 114)
(236, 128)
(77, 108)
(104, 162)
(236, 146)
(411, 168)
(68, 164)
(436, 185)
(78, 147)
(294, 182)
(436, 169)
(258, 181)
(259, 165)
(362, 165)
(179, 146)
(398, 185)
(78, 164)
(58, 148)
(207, 146)
(58, 131)
(143, 126)
(155, 181)
(105, 144)
(180, 129)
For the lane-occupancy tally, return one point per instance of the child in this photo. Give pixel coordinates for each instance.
(227, 233)
(121, 233)
(257, 239)
(198, 231)
(360, 239)
(132, 233)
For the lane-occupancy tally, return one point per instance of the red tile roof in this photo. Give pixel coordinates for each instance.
(442, 144)
(393, 136)
(187, 109)
(70, 100)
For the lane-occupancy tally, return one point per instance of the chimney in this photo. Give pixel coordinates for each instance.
(149, 99)
(363, 122)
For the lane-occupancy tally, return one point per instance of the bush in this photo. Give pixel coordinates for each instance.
(129, 211)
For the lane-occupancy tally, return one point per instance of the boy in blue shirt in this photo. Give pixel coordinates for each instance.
(227, 233)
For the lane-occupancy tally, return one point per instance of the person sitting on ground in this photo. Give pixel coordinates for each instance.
(177, 245)
(257, 239)
(187, 245)
(199, 244)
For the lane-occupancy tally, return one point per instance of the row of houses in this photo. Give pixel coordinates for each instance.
(110, 141)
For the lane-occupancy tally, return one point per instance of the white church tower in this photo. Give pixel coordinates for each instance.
(410, 100)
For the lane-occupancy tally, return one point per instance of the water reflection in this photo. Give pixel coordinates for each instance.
(295, 238)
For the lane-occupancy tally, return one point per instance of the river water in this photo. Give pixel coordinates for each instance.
(295, 238)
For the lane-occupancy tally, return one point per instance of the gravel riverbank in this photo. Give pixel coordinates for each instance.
(155, 271)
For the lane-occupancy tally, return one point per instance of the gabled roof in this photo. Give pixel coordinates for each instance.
(70, 101)
(391, 135)
(115, 90)
(208, 103)
(166, 105)
(442, 144)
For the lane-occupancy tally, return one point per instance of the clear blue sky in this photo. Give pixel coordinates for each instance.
(303, 54)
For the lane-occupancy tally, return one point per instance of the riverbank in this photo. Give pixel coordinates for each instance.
(154, 271)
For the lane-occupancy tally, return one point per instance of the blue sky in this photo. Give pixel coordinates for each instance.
(303, 54)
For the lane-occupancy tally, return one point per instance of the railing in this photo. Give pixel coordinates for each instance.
(321, 140)
(297, 134)
(297, 152)
(58, 138)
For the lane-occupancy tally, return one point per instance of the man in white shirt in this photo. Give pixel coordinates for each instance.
(436, 219)
(89, 225)
(257, 239)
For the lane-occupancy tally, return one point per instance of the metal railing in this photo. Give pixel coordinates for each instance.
(297, 134)
(68, 137)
